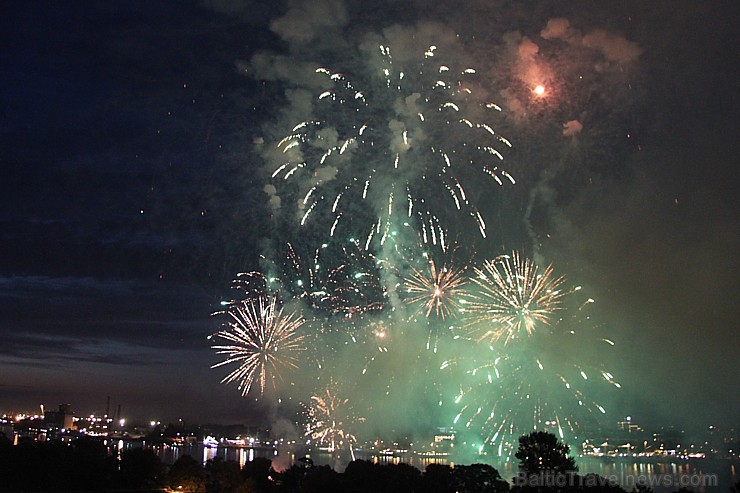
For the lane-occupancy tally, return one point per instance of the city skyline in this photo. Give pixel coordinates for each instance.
(627, 437)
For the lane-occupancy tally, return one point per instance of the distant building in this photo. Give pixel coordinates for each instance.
(6, 428)
(669, 440)
(629, 425)
(61, 421)
(444, 439)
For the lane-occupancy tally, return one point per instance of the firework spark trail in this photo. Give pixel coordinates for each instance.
(513, 298)
(413, 135)
(340, 281)
(251, 285)
(362, 287)
(329, 280)
(330, 415)
(307, 278)
(515, 393)
(261, 340)
(538, 382)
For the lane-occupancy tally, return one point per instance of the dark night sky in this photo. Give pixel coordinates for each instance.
(132, 192)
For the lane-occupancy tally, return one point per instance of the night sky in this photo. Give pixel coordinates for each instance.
(133, 184)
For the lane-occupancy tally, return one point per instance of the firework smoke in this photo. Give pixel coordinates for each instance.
(397, 134)
(542, 381)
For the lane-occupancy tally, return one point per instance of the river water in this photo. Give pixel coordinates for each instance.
(664, 476)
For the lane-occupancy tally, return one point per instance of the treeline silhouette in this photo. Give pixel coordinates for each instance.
(86, 465)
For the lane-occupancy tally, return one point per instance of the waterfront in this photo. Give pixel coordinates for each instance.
(662, 475)
(710, 475)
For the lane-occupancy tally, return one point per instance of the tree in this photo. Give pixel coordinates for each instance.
(364, 476)
(258, 473)
(322, 479)
(541, 452)
(91, 466)
(141, 469)
(438, 478)
(186, 475)
(225, 477)
(478, 478)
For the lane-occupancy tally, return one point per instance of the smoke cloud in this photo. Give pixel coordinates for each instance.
(567, 137)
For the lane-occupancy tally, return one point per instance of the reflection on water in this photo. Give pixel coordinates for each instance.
(700, 475)
(339, 461)
(703, 475)
(240, 455)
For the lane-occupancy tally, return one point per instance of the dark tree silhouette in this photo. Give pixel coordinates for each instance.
(322, 479)
(225, 477)
(258, 473)
(186, 475)
(91, 467)
(83, 465)
(404, 477)
(141, 469)
(364, 476)
(438, 479)
(542, 452)
(478, 478)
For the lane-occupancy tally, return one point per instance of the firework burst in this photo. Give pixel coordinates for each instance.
(330, 280)
(542, 382)
(435, 290)
(261, 340)
(330, 416)
(333, 279)
(403, 140)
(307, 279)
(513, 297)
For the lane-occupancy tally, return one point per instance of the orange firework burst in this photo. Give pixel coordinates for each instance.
(435, 290)
(513, 297)
(329, 413)
(263, 340)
